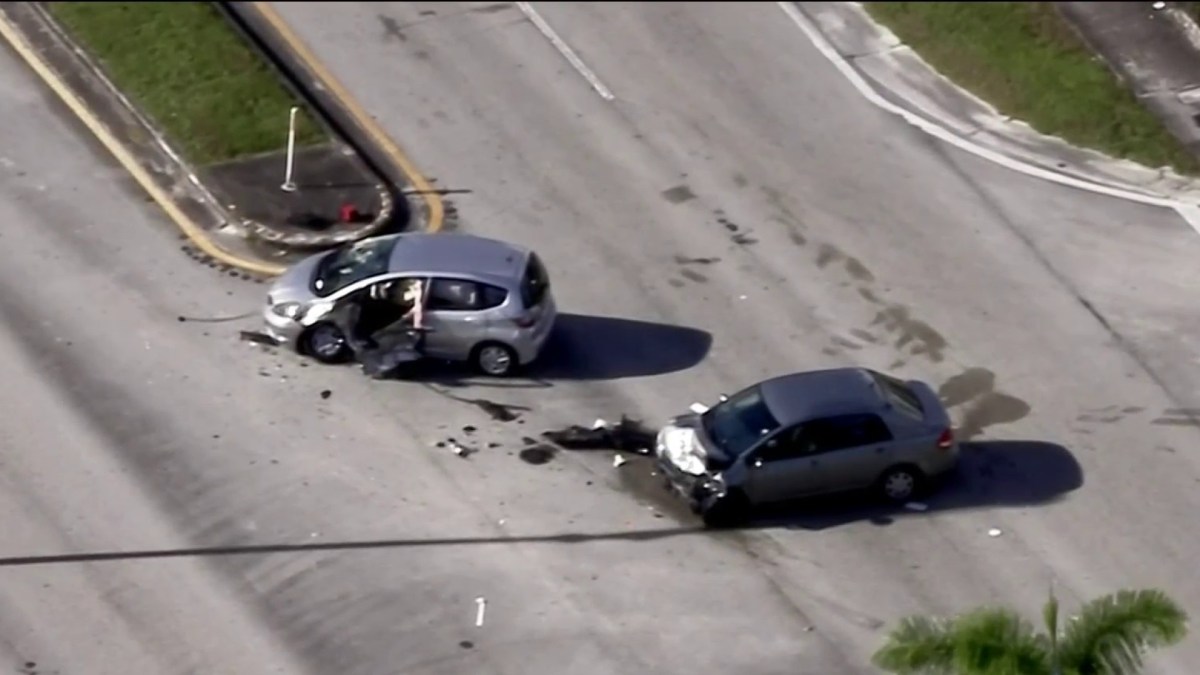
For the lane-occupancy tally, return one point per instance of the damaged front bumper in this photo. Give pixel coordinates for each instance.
(282, 330)
(700, 491)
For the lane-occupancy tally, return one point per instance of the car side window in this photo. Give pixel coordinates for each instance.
(491, 296)
(455, 295)
(847, 431)
(791, 443)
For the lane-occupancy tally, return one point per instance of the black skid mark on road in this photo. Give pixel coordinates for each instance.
(538, 454)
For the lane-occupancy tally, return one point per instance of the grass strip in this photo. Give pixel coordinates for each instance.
(1024, 59)
(189, 70)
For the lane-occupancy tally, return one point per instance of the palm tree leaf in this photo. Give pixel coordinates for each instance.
(918, 645)
(1112, 633)
(987, 641)
(993, 641)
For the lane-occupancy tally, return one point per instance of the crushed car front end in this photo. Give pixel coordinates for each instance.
(689, 469)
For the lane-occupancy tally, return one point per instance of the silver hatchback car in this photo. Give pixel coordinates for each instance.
(806, 434)
(487, 302)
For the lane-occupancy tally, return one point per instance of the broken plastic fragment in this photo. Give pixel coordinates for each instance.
(618, 460)
(916, 506)
(698, 408)
(480, 607)
(994, 532)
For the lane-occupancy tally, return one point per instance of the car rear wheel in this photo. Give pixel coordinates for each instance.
(495, 359)
(326, 343)
(901, 483)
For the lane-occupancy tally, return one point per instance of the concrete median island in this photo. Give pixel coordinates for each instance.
(214, 102)
(1026, 60)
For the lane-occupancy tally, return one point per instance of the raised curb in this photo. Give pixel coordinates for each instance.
(903, 77)
(297, 238)
(278, 235)
(257, 24)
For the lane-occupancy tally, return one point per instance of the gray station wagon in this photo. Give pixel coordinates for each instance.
(806, 434)
(487, 302)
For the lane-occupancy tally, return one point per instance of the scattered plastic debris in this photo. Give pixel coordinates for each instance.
(460, 450)
(916, 506)
(995, 532)
(618, 460)
(257, 338)
(480, 608)
(468, 429)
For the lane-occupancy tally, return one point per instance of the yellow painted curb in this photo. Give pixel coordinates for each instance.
(381, 139)
(194, 233)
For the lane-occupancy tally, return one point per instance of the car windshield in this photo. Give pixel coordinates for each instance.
(736, 424)
(351, 264)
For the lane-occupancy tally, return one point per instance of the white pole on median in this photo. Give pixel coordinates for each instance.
(288, 185)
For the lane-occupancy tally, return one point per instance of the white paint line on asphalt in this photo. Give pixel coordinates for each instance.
(565, 49)
(1189, 212)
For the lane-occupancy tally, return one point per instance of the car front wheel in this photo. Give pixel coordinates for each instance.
(730, 510)
(326, 343)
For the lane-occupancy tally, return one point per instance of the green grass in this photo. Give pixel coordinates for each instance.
(190, 71)
(1025, 60)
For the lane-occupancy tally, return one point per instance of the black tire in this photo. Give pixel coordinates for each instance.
(729, 511)
(901, 484)
(326, 343)
(494, 359)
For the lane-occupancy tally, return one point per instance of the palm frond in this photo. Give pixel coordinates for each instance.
(918, 646)
(987, 641)
(1112, 633)
(993, 641)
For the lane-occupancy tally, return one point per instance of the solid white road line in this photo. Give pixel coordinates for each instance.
(565, 49)
(1189, 212)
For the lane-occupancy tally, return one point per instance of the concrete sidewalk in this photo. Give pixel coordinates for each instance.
(1152, 52)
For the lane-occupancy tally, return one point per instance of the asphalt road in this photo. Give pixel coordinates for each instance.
(1055, 319)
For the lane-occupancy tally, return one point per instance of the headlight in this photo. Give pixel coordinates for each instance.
(288, 310)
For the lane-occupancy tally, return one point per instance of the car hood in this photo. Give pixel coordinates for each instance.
(295, 284)
(684, 444)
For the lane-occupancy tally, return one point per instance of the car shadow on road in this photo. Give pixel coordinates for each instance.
(991, 474)
(581, 348)
(588, 347)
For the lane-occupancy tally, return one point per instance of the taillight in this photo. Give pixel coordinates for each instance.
(946, 440)
(525, 322)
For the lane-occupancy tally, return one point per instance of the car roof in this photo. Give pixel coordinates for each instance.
(800, 397)
(457, 254)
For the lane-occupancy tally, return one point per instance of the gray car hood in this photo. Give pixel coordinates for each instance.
(295, 284)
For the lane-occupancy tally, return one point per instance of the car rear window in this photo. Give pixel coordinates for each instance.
(900, 395)
(535, 283)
